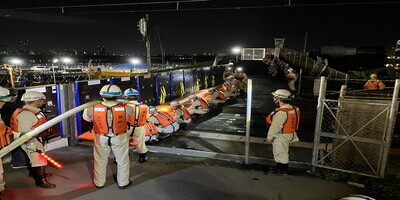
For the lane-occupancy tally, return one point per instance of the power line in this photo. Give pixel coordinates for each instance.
(191, 9)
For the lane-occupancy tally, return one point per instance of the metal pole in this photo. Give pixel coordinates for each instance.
(305, 43)
(347, 77)
(389, 131)
(318, 121)
(301, 73)
(248, 119)
(54, 74)
(148, 45)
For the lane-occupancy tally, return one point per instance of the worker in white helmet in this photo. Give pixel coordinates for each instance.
(181, 113)
(137, 122)
(292, 78)
(284, 122)
(24, 120)
(165, 122)
(5, 132)
(198, 105)
(110, 124)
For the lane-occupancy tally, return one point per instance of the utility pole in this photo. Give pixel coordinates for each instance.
(161, 46)
(143, 25)
(305, 43)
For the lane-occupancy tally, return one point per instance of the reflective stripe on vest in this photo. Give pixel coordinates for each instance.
(186, 113)
(100, 122)
(138, 118)
(204, 103)
(150, 128)
(222, 95)
(164, 118)
(292, 122)
(14, 121)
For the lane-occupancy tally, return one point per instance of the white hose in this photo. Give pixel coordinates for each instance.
(27, 136)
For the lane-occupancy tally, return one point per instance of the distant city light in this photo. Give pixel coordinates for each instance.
(135, 61)
(55, 60)
(67, 60)
(15, 61)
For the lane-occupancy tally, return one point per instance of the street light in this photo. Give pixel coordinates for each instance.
(55, 60)
(67, 60)
(15, 61)
(135, 61)
(236, 51)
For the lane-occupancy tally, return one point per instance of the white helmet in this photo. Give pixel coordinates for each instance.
(131, 92)
(4, 94)
(110, 91)
(32, 96)
(174, 103)
(282, 93)
(230, 77)
(290, 69)
(192, 96)
(153, 110)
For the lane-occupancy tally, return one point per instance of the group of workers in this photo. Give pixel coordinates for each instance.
(275, 65)
(235, 82)
(22, 121)
(32, 79)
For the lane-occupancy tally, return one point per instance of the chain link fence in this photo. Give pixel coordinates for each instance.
(353, 133)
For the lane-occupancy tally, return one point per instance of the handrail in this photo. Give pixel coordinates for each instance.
(29, 135)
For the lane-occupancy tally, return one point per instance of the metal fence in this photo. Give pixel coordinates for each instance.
(353, 133)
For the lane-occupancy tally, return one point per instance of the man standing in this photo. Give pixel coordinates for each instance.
(24, 120)
(292, 78)
(5, 132)
(137, 122)
(284, 122)
(110, 125)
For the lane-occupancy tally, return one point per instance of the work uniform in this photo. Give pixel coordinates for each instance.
(199, 106)
(24, 120)
(165, 122)
(284, 124)
(182, 115)
(217, 97)
(226, 74)
(137, 122)
(292, 78)
(5, 139)
(231, 90)
(110, 125)
(241, 79)
(374, 85)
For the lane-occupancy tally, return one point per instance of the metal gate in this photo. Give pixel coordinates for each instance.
(353, 134)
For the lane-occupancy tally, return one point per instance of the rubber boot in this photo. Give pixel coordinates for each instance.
(39, 174)
(283, 169)
(142, 157)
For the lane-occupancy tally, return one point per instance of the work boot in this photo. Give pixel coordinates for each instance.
(283, 170)
(142, 157)
(274, 170)
(39, 174)
(124, 187)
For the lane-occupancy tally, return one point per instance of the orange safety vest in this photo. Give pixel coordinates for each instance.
(204, 103)
(228, 73)
(374, 85)
(164, 118)
(292, 122)
(186, 113)
(5, 133)
(142, 115)
(239, 76)
(150, 128)
(14, 121)
(100, 123)
(222, 95)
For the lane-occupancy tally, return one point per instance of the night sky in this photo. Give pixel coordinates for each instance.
(200, 26)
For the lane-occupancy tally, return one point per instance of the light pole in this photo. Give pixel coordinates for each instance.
(67, 60)
(135, 61)
(15, 61)
(55, 60)
(236, 51)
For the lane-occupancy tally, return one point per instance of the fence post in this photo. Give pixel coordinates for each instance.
(318, 121)
(248, 119)
(389, 129)
(347, 77)
(299, 87)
